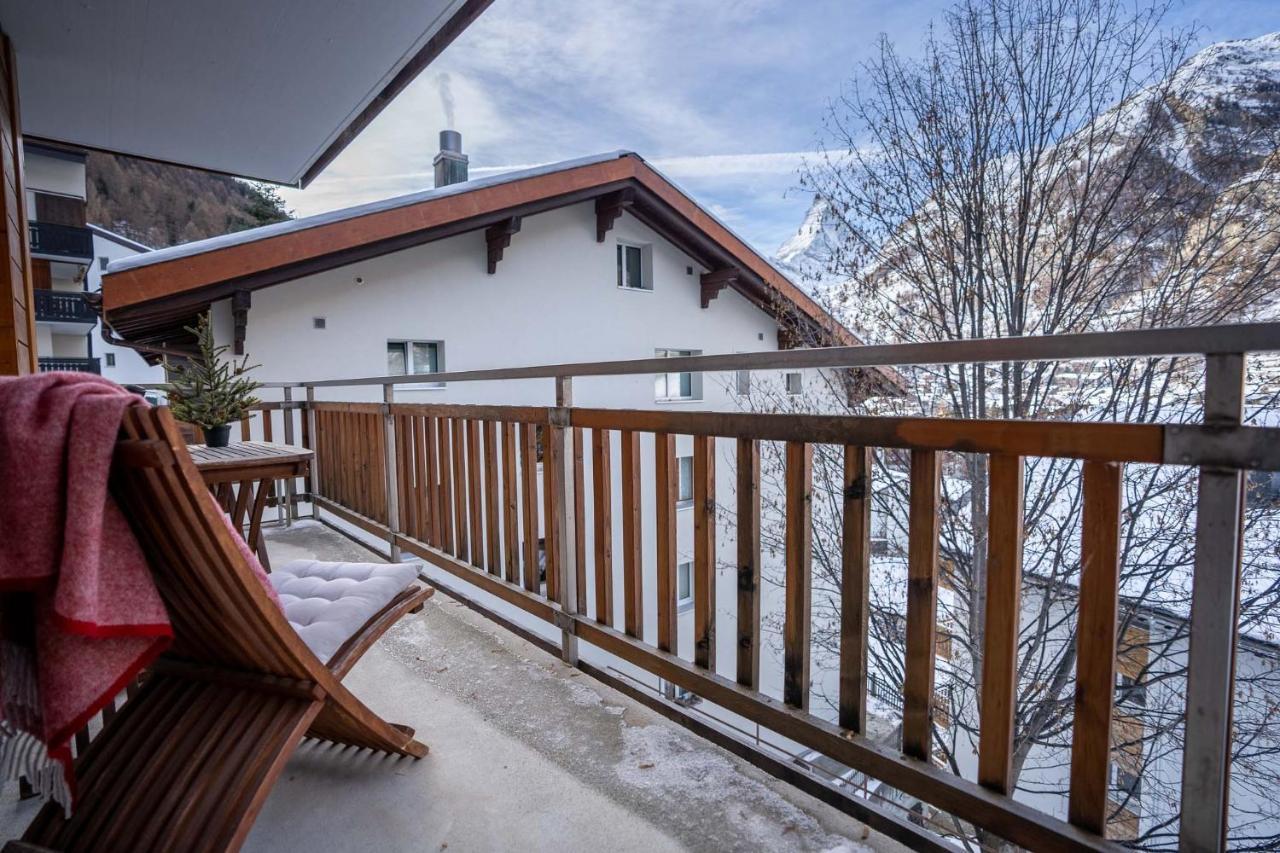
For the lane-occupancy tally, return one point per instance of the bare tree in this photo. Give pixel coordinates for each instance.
(1043, 167)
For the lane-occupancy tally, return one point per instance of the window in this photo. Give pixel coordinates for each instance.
(794, 384)
(318, 322)
(684, 468)
(111, 359)
(742, 383)
(633, 267)
(102, 263)
(1128, 786)
(1131, 692)
(677, 386)
(413, 357)
(684, 585)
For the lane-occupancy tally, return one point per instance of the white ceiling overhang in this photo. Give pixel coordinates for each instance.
(267, 89)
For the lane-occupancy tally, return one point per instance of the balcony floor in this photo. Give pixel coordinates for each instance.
(526, 753)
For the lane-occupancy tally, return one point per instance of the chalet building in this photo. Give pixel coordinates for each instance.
(117, 363)
(595, 259)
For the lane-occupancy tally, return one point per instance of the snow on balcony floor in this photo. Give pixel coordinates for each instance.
(526, 753)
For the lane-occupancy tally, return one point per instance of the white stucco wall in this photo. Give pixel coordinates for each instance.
(51, 174)
(129, 367)
(553, 299)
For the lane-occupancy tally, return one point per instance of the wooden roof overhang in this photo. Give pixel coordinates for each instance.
(151, 304)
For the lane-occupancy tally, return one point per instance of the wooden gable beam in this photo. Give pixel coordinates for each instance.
(609, 208)
(498, 237)
(240, 302)
(717, 280)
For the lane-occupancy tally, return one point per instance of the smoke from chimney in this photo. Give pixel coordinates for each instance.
(446, 99)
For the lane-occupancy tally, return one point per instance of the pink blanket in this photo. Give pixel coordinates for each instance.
(79, 612)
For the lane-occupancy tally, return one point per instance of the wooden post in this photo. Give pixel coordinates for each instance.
(855, 588)
(632, 563)
(602, 480)
(922, 605)
(799, 543)
(1096, 644)
(389, 478)
(704, 551)
(565, 515)
(665, 490)
(748, 562)
(1000, 634)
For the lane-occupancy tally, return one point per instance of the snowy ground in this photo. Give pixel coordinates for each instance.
(526, 754)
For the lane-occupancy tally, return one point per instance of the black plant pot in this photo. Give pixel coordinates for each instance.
(217, 436)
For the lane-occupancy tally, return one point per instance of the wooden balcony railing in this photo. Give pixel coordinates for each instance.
(458, 486)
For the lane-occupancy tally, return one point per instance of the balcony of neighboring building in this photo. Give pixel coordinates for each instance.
(52, 363)
(65, 308)
(57, 228)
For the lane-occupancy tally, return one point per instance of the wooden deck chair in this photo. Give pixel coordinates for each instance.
(188, 762)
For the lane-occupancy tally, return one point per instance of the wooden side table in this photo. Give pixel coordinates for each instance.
(242, 478)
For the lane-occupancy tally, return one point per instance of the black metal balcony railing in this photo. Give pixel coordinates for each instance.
(61, 241)
(75, 365)
(64, 307)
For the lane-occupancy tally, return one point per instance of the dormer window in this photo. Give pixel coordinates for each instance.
(633, 267)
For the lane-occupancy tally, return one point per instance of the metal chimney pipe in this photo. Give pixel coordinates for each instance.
(450, 164)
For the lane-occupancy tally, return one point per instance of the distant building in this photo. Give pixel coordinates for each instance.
(62, 251)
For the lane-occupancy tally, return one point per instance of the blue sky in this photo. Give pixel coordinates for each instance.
(724, 96)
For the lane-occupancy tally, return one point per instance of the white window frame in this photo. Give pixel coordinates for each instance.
(798, 389)
(646, 266)
(408, 343)
(683, 464)
(683, 604)
(666, 379)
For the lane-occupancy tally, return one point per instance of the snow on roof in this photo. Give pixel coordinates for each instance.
(237, 238)
(118, 239)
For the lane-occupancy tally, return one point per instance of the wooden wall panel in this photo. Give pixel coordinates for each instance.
(17, 311)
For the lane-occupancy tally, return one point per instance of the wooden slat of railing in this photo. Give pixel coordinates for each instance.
(799, 534)
(580, 524)
(308, 441)
(404, 454)
(666, 479)
(748, 663)
(1096, 646)
(266, 426)
(422, 492)
(922, 605)
(602, 516)
(551, 472)
(855, 588)
(632, 562)
(529, 497)
(444, 457)
(1000, 634)
(510, 505)
(500, 414)
(704, 551)
(475, 496)
(245, 431)
(457, 432)
(431, 481)
(493, 527)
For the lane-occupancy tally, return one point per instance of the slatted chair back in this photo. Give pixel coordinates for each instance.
(221, 613)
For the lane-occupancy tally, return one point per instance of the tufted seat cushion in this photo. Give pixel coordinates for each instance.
(327, 603)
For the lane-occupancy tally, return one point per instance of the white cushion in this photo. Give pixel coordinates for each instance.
(327, 603)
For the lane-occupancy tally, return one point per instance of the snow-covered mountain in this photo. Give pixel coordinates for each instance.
(1223, 87)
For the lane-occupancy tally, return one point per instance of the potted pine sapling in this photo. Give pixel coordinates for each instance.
(209, 390)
